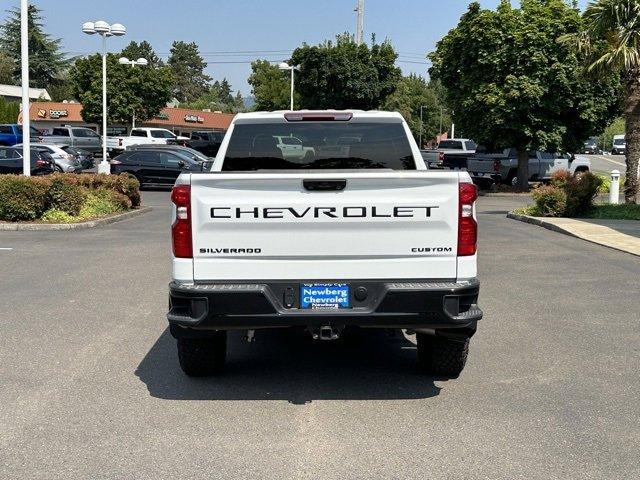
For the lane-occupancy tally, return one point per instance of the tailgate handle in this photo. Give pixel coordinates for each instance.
(324, 185)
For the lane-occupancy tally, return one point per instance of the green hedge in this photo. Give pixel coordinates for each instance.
(64, 198)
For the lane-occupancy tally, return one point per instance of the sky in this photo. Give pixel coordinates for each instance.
(232, 33)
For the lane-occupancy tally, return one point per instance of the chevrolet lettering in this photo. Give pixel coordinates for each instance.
(323, 212)
(323, 221)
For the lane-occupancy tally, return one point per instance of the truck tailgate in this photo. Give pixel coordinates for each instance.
(382, 224)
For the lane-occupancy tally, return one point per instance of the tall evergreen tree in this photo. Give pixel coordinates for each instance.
(187, 71)
(136, 50)
(46, 61)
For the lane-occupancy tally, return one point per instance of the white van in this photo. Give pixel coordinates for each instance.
(619, 145)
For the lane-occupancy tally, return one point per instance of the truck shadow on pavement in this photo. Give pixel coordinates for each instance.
(285, 365)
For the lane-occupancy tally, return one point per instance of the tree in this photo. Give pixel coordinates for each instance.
(512, 83)
(136, 50)
(187, 71)
(46, 61)
(412, 94)
(345, 75)
(610, 43)
(617, 127)
(218, 97)
(269, 86)
(7, 68)
(140, 91)
(9, 111)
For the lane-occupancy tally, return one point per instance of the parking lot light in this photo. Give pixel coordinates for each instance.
(286, 66)
(105, 30)
(143, 62)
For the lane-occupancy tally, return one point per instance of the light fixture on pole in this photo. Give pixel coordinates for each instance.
(141, 62)
(421, 107)
(286, 66)
(105, 30)
(24, 60)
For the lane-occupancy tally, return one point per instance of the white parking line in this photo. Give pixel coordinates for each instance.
(6, 248)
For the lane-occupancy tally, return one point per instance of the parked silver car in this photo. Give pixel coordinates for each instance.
(64, 162)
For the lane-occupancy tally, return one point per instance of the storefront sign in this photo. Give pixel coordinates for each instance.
(193, 119)
(54, 114)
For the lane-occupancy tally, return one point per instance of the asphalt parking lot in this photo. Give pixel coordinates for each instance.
(90, 386)
(606, 163)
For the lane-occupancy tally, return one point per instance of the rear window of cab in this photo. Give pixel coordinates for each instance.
(317, 146)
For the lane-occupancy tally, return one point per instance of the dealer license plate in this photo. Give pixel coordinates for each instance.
(324, 296)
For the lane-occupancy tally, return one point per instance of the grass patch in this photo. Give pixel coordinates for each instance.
(614, 212)
(604, 211)
(531, 211)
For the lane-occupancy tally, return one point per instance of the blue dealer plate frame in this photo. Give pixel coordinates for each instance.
(324, 296)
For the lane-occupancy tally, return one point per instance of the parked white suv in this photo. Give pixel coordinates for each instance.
(360, 236)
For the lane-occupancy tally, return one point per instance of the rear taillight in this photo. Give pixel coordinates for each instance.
(181, 228)
(41, 163)
(441, 156)
(496, 165)
(115, 162)
(467, 226)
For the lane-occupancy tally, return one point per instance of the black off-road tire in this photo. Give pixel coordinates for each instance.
(441, 356)
(202, 357)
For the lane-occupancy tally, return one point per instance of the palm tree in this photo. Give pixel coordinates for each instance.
(611, 42)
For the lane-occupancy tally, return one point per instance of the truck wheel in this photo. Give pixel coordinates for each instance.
(201, 357)
(441, 356)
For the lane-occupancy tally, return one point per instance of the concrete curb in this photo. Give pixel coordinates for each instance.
(74, 226)
(598, 234)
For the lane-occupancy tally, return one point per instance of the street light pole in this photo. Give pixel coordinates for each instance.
(24, 61)
(292, 88)
(104, 167)
(105, 30)
(286, 66)
(421, 107)
(143, 63)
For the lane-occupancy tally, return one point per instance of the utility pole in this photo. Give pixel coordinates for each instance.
(24, 61)
(359, 22)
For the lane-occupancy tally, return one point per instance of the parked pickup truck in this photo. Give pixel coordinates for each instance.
(503, 167)
(76, 137)
(138, 136)
(452, 153)
(11, 134)
(359, 237)
(206, 141)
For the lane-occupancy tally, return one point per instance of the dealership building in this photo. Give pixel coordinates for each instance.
(182, 121)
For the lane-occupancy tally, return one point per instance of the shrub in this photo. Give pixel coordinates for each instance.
(23, 198)
(66, 196)
(551, 201)
(581, 191)
(130, 186)
(54, 215)
(96, 206)
(119, 200)
(76, 196)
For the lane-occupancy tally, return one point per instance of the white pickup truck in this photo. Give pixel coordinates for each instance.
(363, 236)
(143, 136)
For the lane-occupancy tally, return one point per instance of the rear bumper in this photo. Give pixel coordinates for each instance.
(401, 304)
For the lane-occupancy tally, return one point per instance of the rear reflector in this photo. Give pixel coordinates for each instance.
(467, 226)
(318, 117)
(181, 228)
